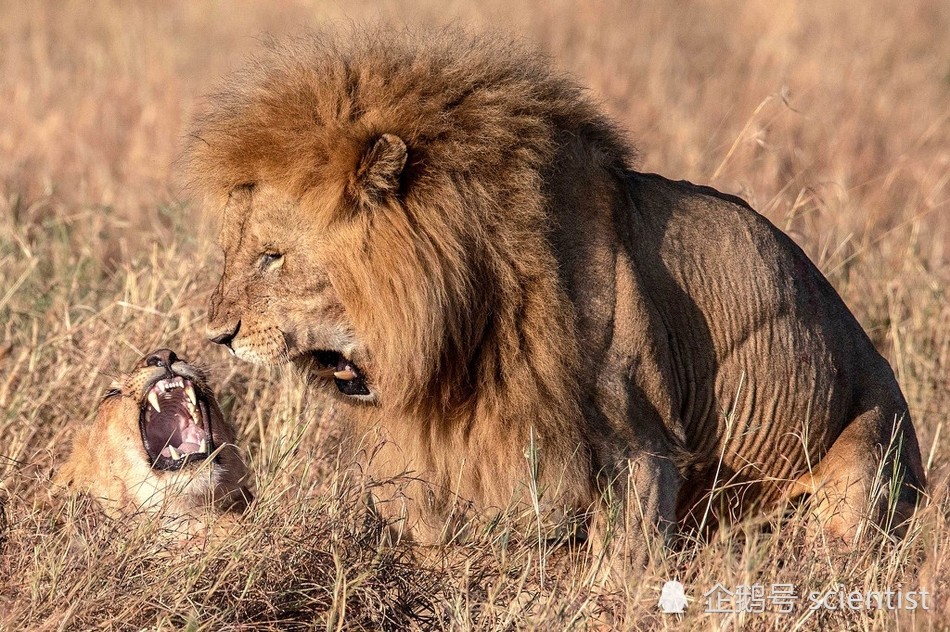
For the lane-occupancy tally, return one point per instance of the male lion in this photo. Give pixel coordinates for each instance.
(447, 237)
(159, 443)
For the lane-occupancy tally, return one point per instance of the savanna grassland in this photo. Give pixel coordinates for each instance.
(831, 118)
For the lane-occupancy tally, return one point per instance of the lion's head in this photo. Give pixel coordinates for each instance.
(159, 440)
(275, 300)
(380, 230)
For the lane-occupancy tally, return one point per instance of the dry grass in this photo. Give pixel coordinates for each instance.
(831, 118)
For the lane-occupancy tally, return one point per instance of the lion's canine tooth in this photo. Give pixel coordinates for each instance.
(345, 375)
(175, 453)
(190, 392)
(153, 400)
(203, 446)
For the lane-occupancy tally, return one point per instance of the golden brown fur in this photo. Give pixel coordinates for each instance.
(109, 462)
(457, 226)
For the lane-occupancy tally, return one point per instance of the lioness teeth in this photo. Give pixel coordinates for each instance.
(190, 392)
(153, 400)
(175, 453)
(203, 446)
(346, 375)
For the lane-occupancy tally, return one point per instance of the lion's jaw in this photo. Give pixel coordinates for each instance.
(326, 351)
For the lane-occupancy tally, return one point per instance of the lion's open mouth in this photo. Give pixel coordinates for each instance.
(175, 424)
(348, 377)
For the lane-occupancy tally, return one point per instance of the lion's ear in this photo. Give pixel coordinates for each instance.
(378, 173)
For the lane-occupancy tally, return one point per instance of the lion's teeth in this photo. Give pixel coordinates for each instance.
(190, 392)
(203, 446)
(346, 375)
(153, 400)
(175, 453)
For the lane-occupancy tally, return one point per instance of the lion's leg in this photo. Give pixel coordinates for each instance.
(653, 485)
(871, 476)
(639, 516)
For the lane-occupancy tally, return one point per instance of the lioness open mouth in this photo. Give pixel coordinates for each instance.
(348, 377)
(175, 423)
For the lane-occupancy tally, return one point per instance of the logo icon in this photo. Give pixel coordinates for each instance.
(673, 597)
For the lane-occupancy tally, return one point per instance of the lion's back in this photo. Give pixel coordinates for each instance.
(772, 364)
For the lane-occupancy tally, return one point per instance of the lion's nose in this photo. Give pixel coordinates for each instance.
(162, 358)
(225, 337)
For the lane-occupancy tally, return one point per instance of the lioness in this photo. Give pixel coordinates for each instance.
(159, 443)
(448, 237)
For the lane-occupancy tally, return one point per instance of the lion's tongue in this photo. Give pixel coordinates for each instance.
(189, 435)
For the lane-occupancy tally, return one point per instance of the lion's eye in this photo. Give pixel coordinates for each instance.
(112, 392)
(270, 261)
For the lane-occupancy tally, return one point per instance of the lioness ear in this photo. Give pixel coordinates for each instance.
(63, 478)
(378, 173)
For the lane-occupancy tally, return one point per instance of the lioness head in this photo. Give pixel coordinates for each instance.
(159, 440)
